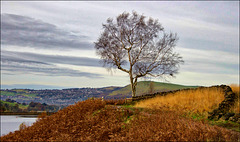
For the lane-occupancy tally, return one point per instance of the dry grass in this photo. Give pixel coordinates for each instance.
(236, 90)
(93, 120)
(200, 101)
(115, 102)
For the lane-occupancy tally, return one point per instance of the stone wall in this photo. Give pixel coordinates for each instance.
(147, 96)
(221, 112)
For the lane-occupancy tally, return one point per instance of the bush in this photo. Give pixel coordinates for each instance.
(42, 116)
(22, 126)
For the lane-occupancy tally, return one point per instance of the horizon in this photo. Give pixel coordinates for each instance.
(43, 87)
(48, 87)
(52, 47)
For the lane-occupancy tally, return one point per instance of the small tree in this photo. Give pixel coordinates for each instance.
(138, 47)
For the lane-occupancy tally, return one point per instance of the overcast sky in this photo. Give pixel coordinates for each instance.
(51, 43)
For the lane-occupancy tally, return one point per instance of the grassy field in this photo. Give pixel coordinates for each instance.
(13, 104)
(21, 92)
(143, 88)
(194, 104)
(199, 101)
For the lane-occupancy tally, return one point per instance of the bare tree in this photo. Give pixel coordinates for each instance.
(138, 47)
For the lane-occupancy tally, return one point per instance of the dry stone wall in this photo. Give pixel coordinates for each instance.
(223, 108)
(221, 112)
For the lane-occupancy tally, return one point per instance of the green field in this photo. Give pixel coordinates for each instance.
(12, 104)
(21, 92)
(6, 93)
(143, 88)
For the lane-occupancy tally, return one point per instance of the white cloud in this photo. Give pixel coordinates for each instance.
(205, 79)
(208, 55)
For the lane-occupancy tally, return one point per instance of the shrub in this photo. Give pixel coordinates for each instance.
(42, 116)
(22, 126)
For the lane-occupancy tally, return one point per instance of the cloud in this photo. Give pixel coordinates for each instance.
(48, 59)
(210, 67)
(209, 61)
(45, 70)
(29, 32)
(193, 43)
(221, 12)
(18, 65)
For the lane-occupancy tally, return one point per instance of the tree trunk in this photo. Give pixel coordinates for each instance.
(133, 86)
(133, 90)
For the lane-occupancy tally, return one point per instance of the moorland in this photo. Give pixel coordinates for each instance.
(177, 116)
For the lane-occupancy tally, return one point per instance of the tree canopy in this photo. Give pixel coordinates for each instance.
(138, 47)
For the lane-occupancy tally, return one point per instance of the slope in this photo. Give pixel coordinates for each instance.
(143, 88)
(93, 120)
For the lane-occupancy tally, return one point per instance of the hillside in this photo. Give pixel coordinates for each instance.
(62, 97)
(217, 103)
(143, 88)
(69, 96)
(94, 120)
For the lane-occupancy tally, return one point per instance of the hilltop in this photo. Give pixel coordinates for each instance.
(143, 88)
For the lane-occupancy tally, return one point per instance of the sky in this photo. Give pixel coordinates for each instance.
(51, 44)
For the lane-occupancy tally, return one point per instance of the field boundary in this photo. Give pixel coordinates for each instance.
(223, 108)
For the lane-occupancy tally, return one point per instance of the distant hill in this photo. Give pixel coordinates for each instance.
(69, 96)
(143, 88)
